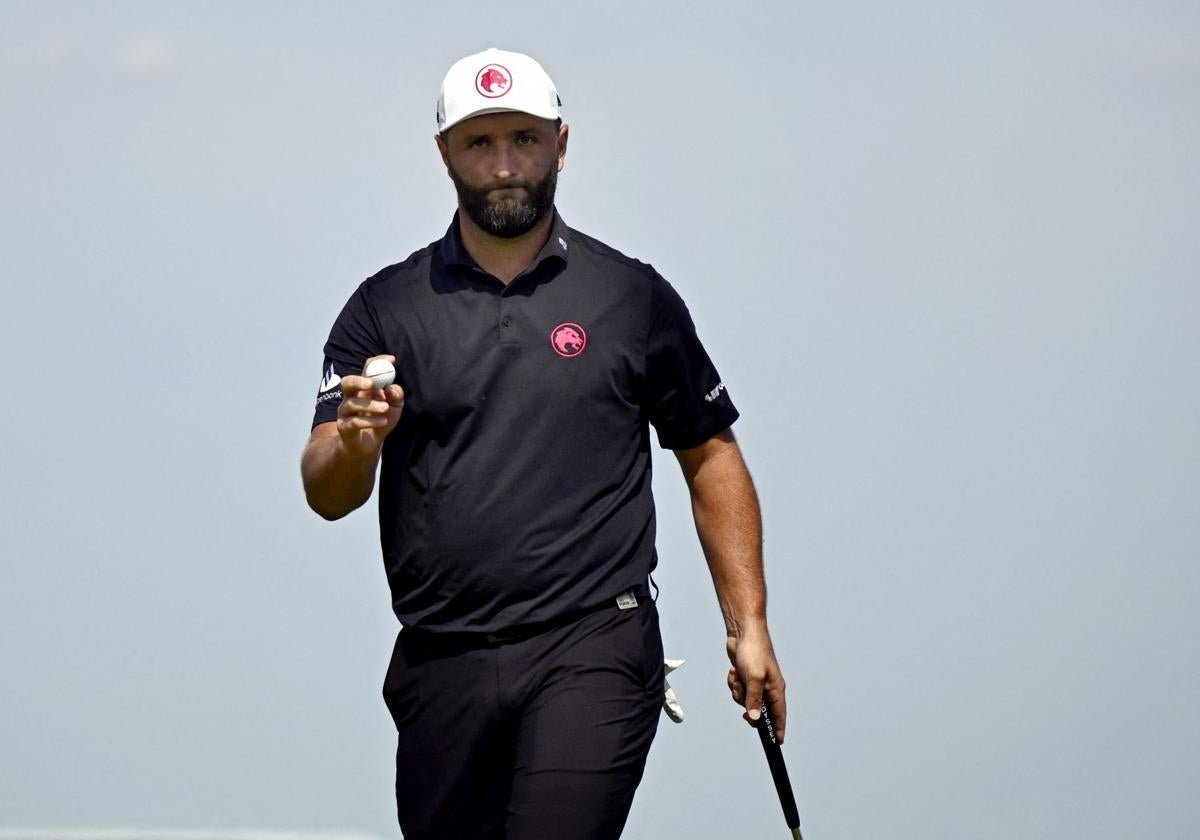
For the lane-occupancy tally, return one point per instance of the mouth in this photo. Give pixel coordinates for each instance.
(507, 192)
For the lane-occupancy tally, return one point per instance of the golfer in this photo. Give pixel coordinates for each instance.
(515, 513)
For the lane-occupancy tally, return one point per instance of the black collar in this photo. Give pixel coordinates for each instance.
(557, 245)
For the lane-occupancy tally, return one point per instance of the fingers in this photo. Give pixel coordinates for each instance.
(361, 387)
(365, 407)
(394, 394)
(353, 384)
(362, 407)
(360, 396)
(736, 690)
(777, 703)
(358, 422)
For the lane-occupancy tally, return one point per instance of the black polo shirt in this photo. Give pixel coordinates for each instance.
(516, 486)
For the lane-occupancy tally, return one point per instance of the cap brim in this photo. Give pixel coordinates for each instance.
(548, 114)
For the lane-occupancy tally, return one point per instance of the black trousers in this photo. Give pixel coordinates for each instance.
(540, 737)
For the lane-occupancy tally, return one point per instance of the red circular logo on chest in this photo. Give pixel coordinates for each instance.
(493, 80)
(568, 340)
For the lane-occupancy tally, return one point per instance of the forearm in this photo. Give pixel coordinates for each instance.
(336, 481)
(729, 524)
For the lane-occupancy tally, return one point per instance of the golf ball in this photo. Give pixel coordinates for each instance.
(381, 372)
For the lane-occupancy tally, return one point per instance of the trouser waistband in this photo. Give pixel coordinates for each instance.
(524, 631)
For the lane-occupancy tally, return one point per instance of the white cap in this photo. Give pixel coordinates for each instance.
(493, 81)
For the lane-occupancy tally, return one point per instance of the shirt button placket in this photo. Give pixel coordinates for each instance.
(507, 330)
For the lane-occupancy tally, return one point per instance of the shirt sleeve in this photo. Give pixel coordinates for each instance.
(686, 400)
(353, 339)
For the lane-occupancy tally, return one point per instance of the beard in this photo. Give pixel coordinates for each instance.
(509, 217)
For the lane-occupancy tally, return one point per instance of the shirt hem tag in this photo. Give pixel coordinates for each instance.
(627, 601)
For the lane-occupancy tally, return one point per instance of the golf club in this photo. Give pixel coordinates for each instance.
(779, 773)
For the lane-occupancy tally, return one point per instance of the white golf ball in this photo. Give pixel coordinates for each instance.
(381, 372)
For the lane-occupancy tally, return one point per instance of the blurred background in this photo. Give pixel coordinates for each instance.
(943, 253)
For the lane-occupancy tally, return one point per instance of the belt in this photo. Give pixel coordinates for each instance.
(465, 639)
(625, 601)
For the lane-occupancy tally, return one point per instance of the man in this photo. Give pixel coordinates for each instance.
(515, 510)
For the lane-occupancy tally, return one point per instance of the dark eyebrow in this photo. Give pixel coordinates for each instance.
(468, 139)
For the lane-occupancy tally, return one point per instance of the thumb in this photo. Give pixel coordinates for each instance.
(754, 693)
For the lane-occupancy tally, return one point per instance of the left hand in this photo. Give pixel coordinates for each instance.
(755, 677)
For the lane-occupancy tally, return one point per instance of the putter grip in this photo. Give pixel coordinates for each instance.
(779, 773)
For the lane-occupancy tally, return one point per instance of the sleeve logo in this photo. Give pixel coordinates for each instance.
(330, 386)
(331, 380)
(715, 392)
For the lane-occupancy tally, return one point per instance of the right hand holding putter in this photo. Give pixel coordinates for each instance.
(371, 406)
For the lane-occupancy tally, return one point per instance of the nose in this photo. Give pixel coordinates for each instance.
(505, 163)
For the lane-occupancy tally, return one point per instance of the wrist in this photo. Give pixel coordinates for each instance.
(747, 627)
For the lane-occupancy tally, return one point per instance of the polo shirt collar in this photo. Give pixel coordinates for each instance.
(557, 245)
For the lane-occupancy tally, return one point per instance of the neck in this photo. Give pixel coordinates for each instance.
(503, 258)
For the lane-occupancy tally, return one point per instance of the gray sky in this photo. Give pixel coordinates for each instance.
(940, 252)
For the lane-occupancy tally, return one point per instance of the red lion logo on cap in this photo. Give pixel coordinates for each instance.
(493, 80)
(568, 340)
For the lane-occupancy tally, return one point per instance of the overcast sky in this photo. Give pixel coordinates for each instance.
(943, 253)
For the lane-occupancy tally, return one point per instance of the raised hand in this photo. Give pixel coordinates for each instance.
(367, 414)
